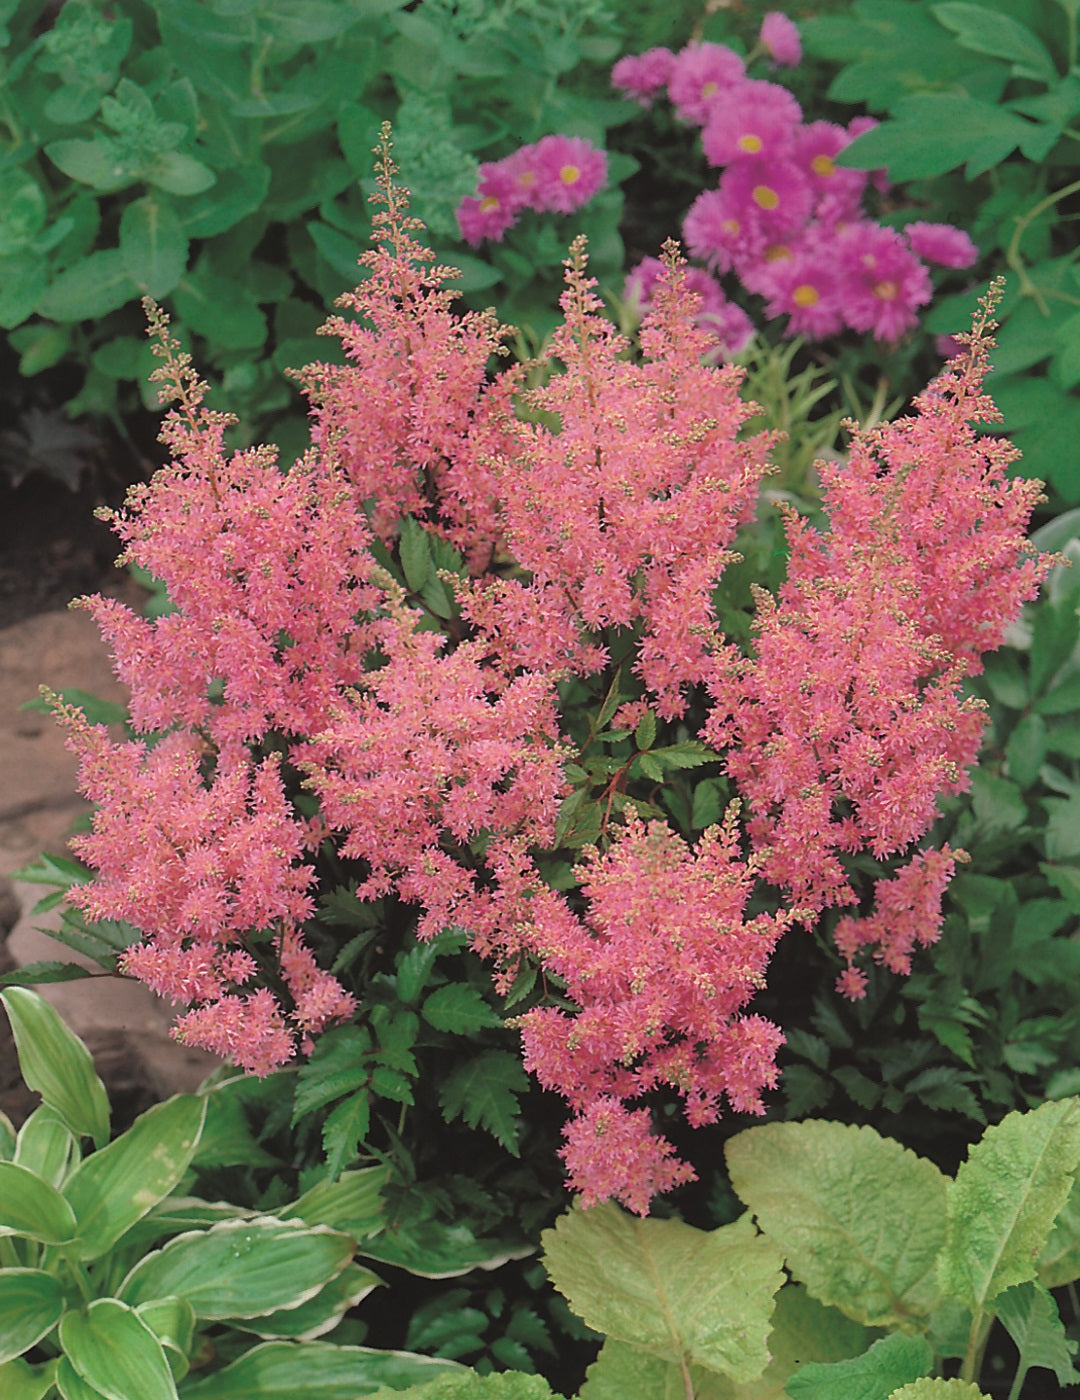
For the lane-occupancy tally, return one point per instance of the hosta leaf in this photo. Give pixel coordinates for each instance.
(33, 1208)
(315, 1371)
(1004, 1201)
(31, 1304)
(809, 1183)
(113, 1350)
(241, 1268)
(683, 1296)
(20, 1381)
(57, 1065)
(112, 1189)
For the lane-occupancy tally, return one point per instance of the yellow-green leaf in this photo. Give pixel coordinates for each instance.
(57, 1065)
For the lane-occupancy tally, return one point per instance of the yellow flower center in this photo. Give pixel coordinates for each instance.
(527, 179)
(805, 295)
(710, 89)
(569, 174)
(488, 203)
(823, 165)
(750, 143)
(731, 226)
(777, 252)
(886, 290)
(765, 198)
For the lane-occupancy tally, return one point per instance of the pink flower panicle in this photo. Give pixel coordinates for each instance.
(849, 720)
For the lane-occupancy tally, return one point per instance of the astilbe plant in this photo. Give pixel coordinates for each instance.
(299, 699)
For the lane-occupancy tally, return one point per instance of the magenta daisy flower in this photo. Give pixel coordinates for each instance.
(838, 192)
(750, 119)
(942, 244)
(773, 194)
(720, 230)
(569, 172)
(699, 72)
(804, 288)
(642, 75)
(780, 37)
(485, 216)
(882, 283)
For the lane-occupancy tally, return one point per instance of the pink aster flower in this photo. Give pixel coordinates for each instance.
(698, 74)
(642, 75)
(521, 168)
(569, 172)
(750, 118)
(837, 191)
(721, 230)
(484, 216)
(883, 284)
(772, 195)
(780, 36)
(803, 287)
(942, 244)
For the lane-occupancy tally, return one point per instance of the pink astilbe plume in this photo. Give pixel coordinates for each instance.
(849, 720)
(661, 965)
(625, 511)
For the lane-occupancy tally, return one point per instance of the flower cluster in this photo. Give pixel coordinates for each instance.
(314, 691)
(784, 219)
(557, 174)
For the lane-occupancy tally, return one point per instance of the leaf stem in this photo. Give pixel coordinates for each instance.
(980, 1331)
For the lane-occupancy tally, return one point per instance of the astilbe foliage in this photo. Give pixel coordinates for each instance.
(299, 696)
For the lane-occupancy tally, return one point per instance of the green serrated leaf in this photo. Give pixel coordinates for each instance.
(484, 1093)
(679, 1294)
(935, 1389)
(808, 1184)
(459, 1009)
(891, 1362)
(986, 30)
(1003, 1203)
(346, 1127)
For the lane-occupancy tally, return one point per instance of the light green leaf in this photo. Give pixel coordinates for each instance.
(983, 29)
(172, 1321)
(416, 561)
(115, 1187)
(433, 1250)
(20, 1381)
(682, 1295)
(116, 1353)
(1026, 750)
(89, 289)
(353, 1203)
(177, 173)
(484, 1093)
(23, 280)
(46, 1146)
(345, 1128)
(57, 1065)
(315, 1371)
(71, 1385)
(939, 1390)
(808, 1184)
(459, 1008)
(153, 245)
(92, 163)
(241, 1268)
(506, 1385)
(932, 133)
(321, 1313)
(31, 1304)
(1003, 1203)
(1031, 1318)
(33, 1208)
(892, 1361)
(1059, 1260)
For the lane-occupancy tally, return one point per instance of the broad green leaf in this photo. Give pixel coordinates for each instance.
(115, 1187)
(31, 1304)
(153, 245)
(484, 1093)
(983, 29)
(932, 133)
(1003, 1203)
(33, 1208)
(1031, 1318)
(506, 1385)
(45, 1146)
(172, 1321)
(891, 1362)
(939, 1390)
(23, 280)
(433, 1250)
(116, 1353)
(178, 173)
(460, 1009)
(21, 1381)
(353, 1203)
(315, 1371)
(680, 1294)
(1026, 750)
(808, 1184)
(221, 310)
(71, 1385)
(241, 1268)
(1059, 1259)
(215, 211)
(92, 163)
(89, 289)
(416, 560)
(57, 1065)
(321, 1313)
